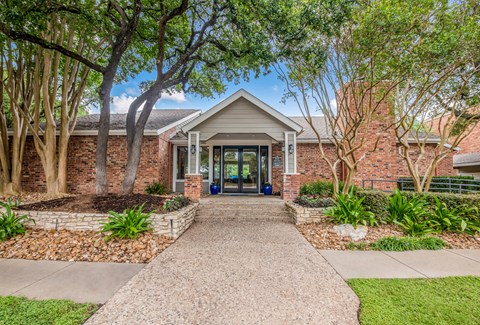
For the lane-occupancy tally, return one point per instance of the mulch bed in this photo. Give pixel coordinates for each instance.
(98, 204)
(322, 236)
(88, 246)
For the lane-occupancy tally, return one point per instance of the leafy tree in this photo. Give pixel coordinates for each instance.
(111, 25)
(435, 63)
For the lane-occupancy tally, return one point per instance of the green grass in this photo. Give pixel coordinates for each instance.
(453, 300)
(16, 310)
(407, 243)
(399, 244)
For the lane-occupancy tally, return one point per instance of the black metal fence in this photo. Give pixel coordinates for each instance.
(447, 184)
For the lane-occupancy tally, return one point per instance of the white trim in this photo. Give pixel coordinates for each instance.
(210, 163)
(295, 153)
(242, 93)
(198, 152)
(183, 120)
(285, 153)
(238, 142)
(189, 152)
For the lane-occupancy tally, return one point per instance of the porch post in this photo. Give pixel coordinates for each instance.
(291, 179)
(193, 178)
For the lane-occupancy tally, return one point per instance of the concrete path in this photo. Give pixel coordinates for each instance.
(77, 281)
(412, 264)
(233, 272)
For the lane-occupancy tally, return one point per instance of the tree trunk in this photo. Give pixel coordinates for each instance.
(135, 147)
(103, 131)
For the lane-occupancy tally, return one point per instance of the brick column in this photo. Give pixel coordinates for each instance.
(193, 186)
(291, 186)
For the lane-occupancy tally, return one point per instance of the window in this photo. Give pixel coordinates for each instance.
(204, 159)
(182, 162)
(217, 156)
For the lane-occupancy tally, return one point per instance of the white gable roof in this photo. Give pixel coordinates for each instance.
(242, 93)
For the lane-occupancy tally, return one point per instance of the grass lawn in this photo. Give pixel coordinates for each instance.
(453, 300)
(15, 310)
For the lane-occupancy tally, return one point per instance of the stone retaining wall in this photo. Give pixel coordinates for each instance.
(171, 224)
(302, 215)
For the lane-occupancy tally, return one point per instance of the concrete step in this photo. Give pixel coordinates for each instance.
(242, 215)
(247, 210)
(285, 219)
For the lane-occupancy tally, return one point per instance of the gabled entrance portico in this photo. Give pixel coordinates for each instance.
(240, 144)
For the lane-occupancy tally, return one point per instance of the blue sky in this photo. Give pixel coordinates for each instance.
(267, 88)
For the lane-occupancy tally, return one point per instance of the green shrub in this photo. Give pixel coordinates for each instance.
(312, 201)
(11, 224)
(157, 188)
(442, 218)
(451, 200)
(407, 243)
(444, 184)
(399, 207)
(375, 201)
(175, 203)
(128, 224)
(349, 209)
(321, 188)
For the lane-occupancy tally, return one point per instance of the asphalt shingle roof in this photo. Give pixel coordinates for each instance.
(158, 119)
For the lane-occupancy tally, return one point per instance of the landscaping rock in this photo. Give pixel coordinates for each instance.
(322, 236)
(348, 230)
(87, 246)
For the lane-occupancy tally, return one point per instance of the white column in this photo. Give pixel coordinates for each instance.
(290, 157)
(194, 158)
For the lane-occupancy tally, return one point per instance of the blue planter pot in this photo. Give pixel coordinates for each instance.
(267, 189)
(214, 189)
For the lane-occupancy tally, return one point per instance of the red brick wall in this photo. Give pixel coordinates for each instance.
(193, 186)
(154, 164)
(309, 164)
(291, 186)
(277, 172)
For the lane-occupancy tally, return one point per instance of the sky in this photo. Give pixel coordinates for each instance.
(267, 88)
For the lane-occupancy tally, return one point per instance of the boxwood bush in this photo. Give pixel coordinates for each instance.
(451, 200)
(375, 201)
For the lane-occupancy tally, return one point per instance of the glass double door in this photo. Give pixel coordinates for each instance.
(240, 169)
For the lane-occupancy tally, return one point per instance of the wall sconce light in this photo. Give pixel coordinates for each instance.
(290, 149)
(193, 149)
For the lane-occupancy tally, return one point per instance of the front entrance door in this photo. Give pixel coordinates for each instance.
(240, 169)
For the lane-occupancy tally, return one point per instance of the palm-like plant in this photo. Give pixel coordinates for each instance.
(349, 209)
(128, 224)
(11, 224)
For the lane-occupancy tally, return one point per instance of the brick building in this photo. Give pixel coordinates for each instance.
(241, 143)
(466, 160)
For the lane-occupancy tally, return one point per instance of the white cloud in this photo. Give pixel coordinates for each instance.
(132, 91)
(333, 104)
(120, 104)
(178, 97)
(275, 88)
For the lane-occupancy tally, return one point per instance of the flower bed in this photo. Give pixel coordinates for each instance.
(171, 224)
(87, 246)
(322, 236)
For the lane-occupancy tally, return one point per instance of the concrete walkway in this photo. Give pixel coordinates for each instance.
(412, 264)
(233, 272)
(77, 281)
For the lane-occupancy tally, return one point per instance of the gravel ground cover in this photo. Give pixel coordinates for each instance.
(88, 246)
(322, 236)
(98, 204)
